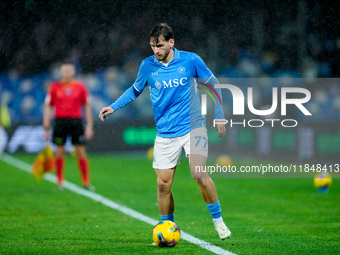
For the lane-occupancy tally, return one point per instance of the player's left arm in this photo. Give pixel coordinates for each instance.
(218, 107)
(47, 120)
(89, 122)
(206, 77)
(49, 102)
(88, 114)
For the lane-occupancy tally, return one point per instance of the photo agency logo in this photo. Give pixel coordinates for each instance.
(281, 97)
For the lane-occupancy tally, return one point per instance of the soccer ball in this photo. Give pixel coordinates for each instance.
(322, 181)
(166, 234)
(224, 160)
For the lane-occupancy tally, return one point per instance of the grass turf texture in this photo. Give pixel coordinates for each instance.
(266, 216)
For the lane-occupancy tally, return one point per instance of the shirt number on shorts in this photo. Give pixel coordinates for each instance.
(199, 138)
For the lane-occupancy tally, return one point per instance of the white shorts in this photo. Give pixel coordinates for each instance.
(167, 151)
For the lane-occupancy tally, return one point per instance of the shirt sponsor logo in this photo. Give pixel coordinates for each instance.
(175, 82)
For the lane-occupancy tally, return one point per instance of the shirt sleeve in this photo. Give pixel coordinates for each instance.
(85, 95)
(141, 80)
(202, 71)
(128, 96)
(205, 76)
(133, 92)
(49, 99)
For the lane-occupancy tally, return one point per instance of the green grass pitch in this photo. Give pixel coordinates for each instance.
(266, 216)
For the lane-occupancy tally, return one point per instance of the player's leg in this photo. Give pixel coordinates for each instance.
(78, 140)
(167, 152)
(83, 164)
(60, 162)
(209, 193)
(205, 183)
(165, 197)
(196, 148)
(198, 152)
(59, 138)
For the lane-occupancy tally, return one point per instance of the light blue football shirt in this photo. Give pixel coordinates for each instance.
(174, 92)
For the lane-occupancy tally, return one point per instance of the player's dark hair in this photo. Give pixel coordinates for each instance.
(161, 29)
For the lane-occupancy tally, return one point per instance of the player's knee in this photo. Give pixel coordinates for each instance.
(60, 152)
(202, 181)
(163, 186)
(200, 176)
(80, 154)
(80, 151)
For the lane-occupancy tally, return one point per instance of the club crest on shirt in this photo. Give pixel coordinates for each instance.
(68, 92)
(158, 84)
(181, 69)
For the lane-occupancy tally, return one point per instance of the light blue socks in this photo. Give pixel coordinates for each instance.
(215, 210)
(170, 217)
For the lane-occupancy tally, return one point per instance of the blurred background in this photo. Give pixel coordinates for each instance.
(107, 40)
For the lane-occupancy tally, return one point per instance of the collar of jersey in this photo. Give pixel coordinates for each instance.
(67, 83)
(176, 56)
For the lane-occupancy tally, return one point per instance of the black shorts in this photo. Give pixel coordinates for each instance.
(64, 127)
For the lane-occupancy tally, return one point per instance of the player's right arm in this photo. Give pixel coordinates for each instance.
(128, 96)
(48, 113)
(47, 121)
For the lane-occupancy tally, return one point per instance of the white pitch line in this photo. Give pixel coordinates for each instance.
(109, 203)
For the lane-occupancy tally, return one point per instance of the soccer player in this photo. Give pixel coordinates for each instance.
(68, 96)
(176, 107)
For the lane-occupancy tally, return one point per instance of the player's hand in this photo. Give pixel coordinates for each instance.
(105, 111)
(46, 134)
(221, 130)
(88, 133)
